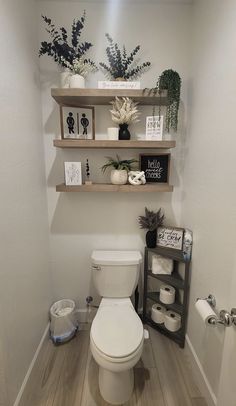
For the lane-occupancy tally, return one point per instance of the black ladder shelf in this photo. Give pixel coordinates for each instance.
(180, 305)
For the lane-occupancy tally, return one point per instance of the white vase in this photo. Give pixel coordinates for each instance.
(77, 81)
(65, 78)
(119, 177)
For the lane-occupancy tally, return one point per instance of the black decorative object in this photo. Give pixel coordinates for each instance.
(151, 238)
(88, 181)
(155, 167)
(120, 65)
(63, 49)
(124, 133)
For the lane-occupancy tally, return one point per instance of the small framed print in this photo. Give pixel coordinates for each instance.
(170, 237)
(154, 128)
(77, 122)
(73, 174)
(156, 167)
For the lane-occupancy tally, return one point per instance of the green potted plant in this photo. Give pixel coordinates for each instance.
(124, 111)
(68, 51)
(119, 173)
(122, 66)
(151, 221)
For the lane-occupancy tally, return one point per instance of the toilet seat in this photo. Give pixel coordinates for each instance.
(117, 331)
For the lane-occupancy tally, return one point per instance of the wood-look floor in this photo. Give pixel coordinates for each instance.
(67, 375)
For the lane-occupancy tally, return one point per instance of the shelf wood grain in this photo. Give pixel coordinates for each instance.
(106, 144)
(77, 97)
(106, 187)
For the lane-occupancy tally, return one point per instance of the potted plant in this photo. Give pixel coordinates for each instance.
(151, 221)
(120, 65)
(119, 173)
(67, 52)
(79, 69)
(124, 111)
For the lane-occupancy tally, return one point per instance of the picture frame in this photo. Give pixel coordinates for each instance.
(77, 122)
(73, 173)
(154, 128)
(170, 237)
(156, 167)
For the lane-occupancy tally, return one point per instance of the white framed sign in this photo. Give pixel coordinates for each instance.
(170, 237)
(119, 84)
(73, 175)
(154, 128)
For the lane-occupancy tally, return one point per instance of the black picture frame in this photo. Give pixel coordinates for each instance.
(156, 167)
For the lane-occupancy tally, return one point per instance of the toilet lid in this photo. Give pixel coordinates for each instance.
(117, 331)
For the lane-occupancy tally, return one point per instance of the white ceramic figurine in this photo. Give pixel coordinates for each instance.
(136, 178)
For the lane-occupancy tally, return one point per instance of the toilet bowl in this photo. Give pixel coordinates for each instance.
(116, 342)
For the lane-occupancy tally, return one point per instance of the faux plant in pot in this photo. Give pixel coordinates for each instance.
(151, 221)
(66, 50)
(124, 112)
(79, 69)
(122, 66)
(119, 173)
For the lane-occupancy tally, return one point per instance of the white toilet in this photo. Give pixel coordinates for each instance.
(116, 337)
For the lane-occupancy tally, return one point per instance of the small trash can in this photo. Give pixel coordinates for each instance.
(63, 322)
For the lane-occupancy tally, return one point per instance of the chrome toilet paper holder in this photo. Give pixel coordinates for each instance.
(225, 318)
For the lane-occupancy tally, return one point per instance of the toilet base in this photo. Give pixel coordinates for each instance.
(116, 387)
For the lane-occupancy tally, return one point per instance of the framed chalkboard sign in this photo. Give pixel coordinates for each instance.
(156, 167)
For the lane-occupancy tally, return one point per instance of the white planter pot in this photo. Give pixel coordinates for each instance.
(119, 177)
(65, 78)
(77, 81)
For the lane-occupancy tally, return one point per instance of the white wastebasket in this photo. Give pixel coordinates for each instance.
(63, 322)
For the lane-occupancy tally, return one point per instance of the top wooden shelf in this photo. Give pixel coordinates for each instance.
(77, 97)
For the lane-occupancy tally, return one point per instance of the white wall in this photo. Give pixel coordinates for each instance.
(80, 223)
(24, 270)
(210, 172)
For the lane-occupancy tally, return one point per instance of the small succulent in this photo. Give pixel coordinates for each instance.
(151, 220)
(125, 164)
(124, 111)
(120, 65)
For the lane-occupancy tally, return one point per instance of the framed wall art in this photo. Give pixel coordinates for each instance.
(77, 122)
(154, 128)
(170, 237)
(156, 167)
(73, 173)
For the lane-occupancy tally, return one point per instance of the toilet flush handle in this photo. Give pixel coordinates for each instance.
(96, 268)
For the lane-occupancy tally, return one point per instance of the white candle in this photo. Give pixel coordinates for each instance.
(112, 133)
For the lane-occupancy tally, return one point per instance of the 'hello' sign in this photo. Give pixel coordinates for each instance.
(155, 167)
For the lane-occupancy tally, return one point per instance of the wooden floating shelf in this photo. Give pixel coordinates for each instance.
(76, 97)
(105, 144)
(106, 187)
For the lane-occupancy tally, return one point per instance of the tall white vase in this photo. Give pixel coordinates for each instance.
(77, 81)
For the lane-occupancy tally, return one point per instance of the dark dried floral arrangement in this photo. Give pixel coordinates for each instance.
(120, 65)
(61, 48)
(151, 220)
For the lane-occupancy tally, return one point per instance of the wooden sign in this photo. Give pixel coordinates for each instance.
(155, 167)
(169, 237)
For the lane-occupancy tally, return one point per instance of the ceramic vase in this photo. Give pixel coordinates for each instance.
(124, 133)
(151, 239)
(119, 177)
(77, 81)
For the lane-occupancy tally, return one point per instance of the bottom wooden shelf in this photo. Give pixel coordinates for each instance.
(177, 336)
(106, 187)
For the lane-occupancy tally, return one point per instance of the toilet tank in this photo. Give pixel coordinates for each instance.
(116, 273)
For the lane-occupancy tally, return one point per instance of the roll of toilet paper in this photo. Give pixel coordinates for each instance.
(172, 321)
(205, 310)
(158, 313)
(161, 265)
(167, 294)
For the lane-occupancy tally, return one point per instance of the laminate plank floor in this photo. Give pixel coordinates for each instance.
(67, 375)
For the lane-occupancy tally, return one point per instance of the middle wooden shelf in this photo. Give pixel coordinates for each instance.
(107, 187)
(107, 144)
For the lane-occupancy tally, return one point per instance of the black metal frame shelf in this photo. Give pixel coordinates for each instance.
(175, 280)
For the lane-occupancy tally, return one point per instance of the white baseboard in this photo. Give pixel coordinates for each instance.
(200, 376)
(18, 398)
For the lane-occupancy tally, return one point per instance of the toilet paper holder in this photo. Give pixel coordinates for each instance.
(226, 318)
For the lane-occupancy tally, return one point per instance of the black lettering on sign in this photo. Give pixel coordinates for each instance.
(156, 167)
